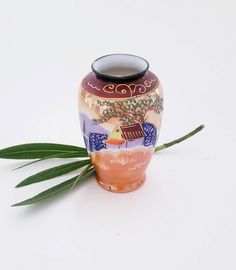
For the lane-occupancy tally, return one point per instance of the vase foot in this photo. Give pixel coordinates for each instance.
(121, 188)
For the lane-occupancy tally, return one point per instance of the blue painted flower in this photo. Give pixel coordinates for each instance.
(96, 141)
(150, 134)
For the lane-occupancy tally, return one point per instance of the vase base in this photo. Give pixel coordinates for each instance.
(121, 188)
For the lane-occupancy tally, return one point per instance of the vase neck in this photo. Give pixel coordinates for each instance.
(120, 67)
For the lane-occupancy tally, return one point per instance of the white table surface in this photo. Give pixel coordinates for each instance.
(184, 217)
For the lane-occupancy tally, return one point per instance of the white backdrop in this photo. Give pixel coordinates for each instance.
(184, 217)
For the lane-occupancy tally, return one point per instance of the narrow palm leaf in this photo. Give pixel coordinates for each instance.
(54, 172)
(61, 155)
(82, 174)
(38, 150)
(54, 191)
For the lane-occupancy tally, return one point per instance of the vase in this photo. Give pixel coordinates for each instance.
(120, 108)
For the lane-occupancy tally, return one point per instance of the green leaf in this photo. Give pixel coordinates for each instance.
(54, 172)
(39, 150)
(82, 174)
(61, 155)
(54, 191)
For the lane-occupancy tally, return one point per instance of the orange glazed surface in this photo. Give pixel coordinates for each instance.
(121, 171)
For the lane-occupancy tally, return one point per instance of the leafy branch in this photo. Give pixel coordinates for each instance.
(44, 151)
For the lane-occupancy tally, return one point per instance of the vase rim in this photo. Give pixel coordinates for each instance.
(120, 67)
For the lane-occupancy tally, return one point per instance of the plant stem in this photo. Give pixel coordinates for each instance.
(169, 144)
(81, 175)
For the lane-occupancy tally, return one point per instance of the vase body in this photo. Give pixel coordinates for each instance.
(120, 121)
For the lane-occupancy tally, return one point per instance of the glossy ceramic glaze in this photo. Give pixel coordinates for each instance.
(120, 104)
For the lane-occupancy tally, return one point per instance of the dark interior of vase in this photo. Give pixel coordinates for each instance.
(120, 66)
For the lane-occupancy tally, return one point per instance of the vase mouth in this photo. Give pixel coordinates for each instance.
(120, 67)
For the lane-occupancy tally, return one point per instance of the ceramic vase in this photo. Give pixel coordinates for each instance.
(120, 107)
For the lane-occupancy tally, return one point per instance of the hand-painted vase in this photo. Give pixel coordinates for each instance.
(120, 103)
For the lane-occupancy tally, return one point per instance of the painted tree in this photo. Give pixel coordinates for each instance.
(130, 111)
